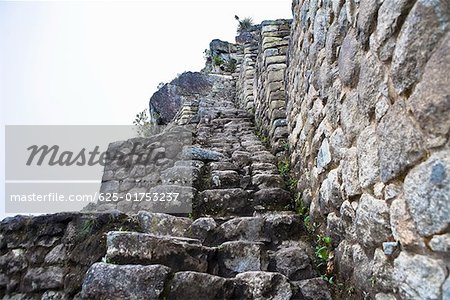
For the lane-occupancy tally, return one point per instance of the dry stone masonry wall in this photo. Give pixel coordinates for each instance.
(368, 101)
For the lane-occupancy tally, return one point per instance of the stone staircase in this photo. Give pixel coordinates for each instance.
(242, 241)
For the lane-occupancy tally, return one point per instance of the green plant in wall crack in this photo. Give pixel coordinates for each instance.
(245, 24)
(283, 167)
(217, 60)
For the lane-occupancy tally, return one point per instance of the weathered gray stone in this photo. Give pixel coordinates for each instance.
(353, 120)
(413, 271)
(222, 202)
(368, 160)
(372, 221)
(244, 228)
(389, 248)
(201, 227)
(383, 39)
(313, 289)
(163, 224)
(266, 181)
(324, 155)
(167, 100)
(330, 194)
(273, 199)
(201, 154)
(400, 143)
(446, 289)
(241, 256)
(382, 271)
(427, 193)
(348, 60)
(264, 285)
(402, 225)
(225, 179)
(370, 80)
(440, 243)
(180, 254)
(426, 23)
(56, 255)
(193, 285)
(106, 281)
(362, 266)
(38, 279)
(366, 18)
(241, 158)
(350, 177)
(51, 295)
(294, 263)
(430, 101)
(382, 296)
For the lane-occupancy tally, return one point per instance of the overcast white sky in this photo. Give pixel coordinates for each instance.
(99, 62)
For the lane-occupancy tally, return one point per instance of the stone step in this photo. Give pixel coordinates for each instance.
(163, 224)
(270, 228)
(122, 282)
(180, 254)
(105, 281)
(223, 202)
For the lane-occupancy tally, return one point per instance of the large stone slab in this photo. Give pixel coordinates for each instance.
(180, 254)
(106, 281)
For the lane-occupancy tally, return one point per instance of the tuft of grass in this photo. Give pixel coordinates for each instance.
(283, 167)
(87, 227)
(217, 60)
(244, 24)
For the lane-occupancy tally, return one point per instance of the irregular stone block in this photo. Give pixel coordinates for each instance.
(313, 289)
(350, 173)
(400, 143)
(427, 193)
(266, 181)
(426, 23)
(372, 221)
(273, 198)
(180, 254)
(225, 179)
(263, 286)
(241, 256)
(106, 281)
(293, 262)
(348, 61)
(223, 202)
(201, 228)
(368, 160)
(440, 243)
(402, 225)
(193, 285)
(383, 39)
(430, 101)
(163, 224)
(38, 279)
(412, 271)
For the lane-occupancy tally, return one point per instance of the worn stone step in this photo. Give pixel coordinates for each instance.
(123, 282)
(163, 224)
(194, 285)
(180, 254)
(223, 202)
(269, 228)
(181, 175)
(241, 256)
(225, 179)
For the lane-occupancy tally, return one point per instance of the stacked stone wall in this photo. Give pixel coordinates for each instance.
(368, 103)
